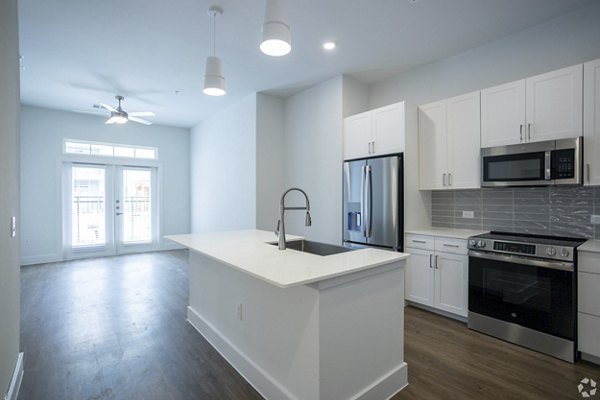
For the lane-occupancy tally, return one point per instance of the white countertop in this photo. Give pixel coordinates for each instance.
(446, 232)
(247, 251)
(590, 245)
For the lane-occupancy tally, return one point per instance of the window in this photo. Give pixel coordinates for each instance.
(109, 149)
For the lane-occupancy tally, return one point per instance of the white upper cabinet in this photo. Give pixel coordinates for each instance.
(357, 135)
(449, 143)
(463, 126)
(543, 107)
(377, 132)
(555, 104)
(503, 114)
(591, 117)
(432, 146)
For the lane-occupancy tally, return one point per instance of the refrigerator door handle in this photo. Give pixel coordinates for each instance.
(369, 196)
(363, 215)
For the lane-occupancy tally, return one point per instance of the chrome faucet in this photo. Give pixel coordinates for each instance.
(280, 230)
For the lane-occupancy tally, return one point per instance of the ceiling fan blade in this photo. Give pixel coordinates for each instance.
(105, 106)
(111, 120)
(100, 112)
(141, 121)
(142, 114)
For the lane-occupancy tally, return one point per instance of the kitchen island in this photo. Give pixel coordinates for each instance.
(298, 325)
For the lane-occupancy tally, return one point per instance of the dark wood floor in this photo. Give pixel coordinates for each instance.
(115, 328)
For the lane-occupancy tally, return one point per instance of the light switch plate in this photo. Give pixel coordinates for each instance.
(468, 214)
(595, 219)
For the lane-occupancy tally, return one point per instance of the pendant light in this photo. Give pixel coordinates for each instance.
(276, 38)
(214, 81)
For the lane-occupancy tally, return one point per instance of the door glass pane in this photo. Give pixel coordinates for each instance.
(88, 219)
(137, 207)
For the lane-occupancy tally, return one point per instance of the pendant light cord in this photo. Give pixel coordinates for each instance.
(214, 34)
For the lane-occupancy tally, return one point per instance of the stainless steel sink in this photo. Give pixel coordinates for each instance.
(307, 246)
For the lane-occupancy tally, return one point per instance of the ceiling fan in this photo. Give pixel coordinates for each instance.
(120, 116)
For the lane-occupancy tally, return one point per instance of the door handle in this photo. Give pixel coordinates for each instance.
(587, 171)
(369, 196)
(520, 132)
(119, 213)
(436, 262)
(363, 211)
(373, 146)
(444, 179)
(430, 259)
(449, 179)
(528, 131)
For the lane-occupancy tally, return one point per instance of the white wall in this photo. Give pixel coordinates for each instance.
(270, 165)
(223, 169)
(313, 159)
(42, 134)
(561, 42)
(9, 192)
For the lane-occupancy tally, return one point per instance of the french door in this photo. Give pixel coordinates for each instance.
(108, 209)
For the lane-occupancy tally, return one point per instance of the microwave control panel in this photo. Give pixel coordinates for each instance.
(563, 164)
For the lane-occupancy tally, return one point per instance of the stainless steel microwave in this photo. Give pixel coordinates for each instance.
(552, 162)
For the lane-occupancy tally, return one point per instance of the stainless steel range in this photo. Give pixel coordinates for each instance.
(522, 289)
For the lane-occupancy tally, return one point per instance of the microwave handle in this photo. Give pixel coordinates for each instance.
(547, 165)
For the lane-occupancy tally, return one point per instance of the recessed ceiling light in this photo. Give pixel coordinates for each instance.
(329, 45)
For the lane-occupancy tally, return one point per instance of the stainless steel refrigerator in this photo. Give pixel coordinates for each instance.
(373, 202)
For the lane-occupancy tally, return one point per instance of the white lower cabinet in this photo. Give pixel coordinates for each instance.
(437, 273)
(588, 303)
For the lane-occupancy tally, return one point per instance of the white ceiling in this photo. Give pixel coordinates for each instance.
(80, 52)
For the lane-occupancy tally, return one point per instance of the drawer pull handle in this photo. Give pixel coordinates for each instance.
(451, 245)
(418, 241)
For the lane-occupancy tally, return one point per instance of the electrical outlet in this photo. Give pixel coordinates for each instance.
(468, 214)
(239, 311)
(595, 219)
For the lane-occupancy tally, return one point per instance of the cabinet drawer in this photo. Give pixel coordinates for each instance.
(589, 334)
(588, 293)
(451, 245)
(419, 241)
(588, 262)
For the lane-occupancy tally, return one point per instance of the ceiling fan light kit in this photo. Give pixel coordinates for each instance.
(214, 79)
(276, 36)
(120, 116)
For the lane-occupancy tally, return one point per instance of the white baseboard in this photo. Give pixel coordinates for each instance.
(386, 386)
(591, 358)
(15, 383)
(41, 259)
(436, 311)
(260, 380)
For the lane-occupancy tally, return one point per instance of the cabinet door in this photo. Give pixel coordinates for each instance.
(555, 104)
(451, 283)
(357, 135)
(432, 146)
(419, 277)
(463, 138)
(591, 118)
(503, 114)
(388, 129)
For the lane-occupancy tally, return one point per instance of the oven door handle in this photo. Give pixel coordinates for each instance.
(563, 266)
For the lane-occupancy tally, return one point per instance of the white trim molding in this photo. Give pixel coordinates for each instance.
(15, 383)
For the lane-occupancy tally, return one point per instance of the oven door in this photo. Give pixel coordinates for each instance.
(532, 293)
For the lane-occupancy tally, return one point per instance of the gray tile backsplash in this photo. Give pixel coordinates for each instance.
(557, 211)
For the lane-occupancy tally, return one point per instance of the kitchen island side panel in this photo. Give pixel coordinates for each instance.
(277, 332)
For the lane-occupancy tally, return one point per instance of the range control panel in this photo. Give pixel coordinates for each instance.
(520, 248)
